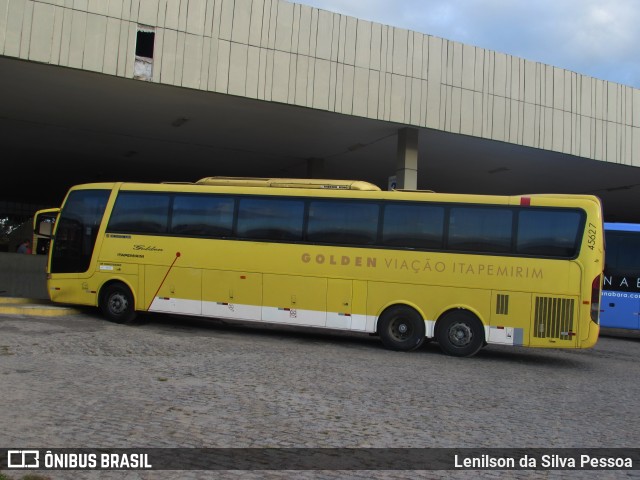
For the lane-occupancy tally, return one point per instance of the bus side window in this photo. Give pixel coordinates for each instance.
(413, 226)
(138, 212)
(270, 219)
(629, 254)
(551, 233)
(343, 222)
(475, 229)
(202, 215)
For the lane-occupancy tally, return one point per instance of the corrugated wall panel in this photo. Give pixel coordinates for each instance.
(280, 51)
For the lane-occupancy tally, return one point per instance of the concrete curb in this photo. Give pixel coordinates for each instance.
(33, 307)
(20, 300)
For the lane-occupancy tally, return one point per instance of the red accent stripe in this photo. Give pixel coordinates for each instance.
(525, 201)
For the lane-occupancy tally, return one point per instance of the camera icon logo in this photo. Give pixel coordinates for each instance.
(23, 459)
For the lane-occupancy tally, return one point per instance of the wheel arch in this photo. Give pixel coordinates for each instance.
(459, 308)
(391, 305)
(113, 281)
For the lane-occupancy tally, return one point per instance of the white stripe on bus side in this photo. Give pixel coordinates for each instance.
(307, 318)
(254, 313)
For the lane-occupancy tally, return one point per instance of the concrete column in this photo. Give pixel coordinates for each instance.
(407, 159)
(315, 168)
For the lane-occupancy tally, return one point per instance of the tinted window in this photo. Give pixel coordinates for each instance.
(416, 226)
(612, 248)
(623, 253)
(551, 233)
(77, 230)
(477, 229)
(270, 219)
(348, 223)
(202, 215)
(136, 212)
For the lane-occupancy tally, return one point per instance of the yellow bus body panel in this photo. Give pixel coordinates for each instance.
(520, 301)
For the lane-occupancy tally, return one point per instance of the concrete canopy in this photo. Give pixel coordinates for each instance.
(61, 126)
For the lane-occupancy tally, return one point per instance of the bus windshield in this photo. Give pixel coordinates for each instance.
(77, 230)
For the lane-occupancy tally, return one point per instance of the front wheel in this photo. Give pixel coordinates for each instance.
(401, 328)
(116, 303)
(460, 333)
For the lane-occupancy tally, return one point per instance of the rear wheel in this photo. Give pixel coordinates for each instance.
(460, 333)
(401, 328)
(116, 303)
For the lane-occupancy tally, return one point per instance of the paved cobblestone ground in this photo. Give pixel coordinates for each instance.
(79, 381)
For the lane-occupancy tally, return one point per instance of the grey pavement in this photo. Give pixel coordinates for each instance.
(76, 380)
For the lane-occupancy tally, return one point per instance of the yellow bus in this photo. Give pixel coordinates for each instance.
(408, 266)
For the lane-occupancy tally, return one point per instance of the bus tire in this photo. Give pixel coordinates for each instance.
(401, 328)
(460, 333)
(116, 303)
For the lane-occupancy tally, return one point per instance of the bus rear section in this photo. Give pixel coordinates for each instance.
(580, 310)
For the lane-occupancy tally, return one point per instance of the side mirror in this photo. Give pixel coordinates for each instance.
(44, 222)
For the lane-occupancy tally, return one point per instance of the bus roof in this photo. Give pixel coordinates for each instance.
(348, 188)
(289, 183)
(622, 227)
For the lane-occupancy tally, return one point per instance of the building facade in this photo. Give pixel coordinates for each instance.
(283, 52)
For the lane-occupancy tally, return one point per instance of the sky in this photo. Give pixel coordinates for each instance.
(599, 38)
